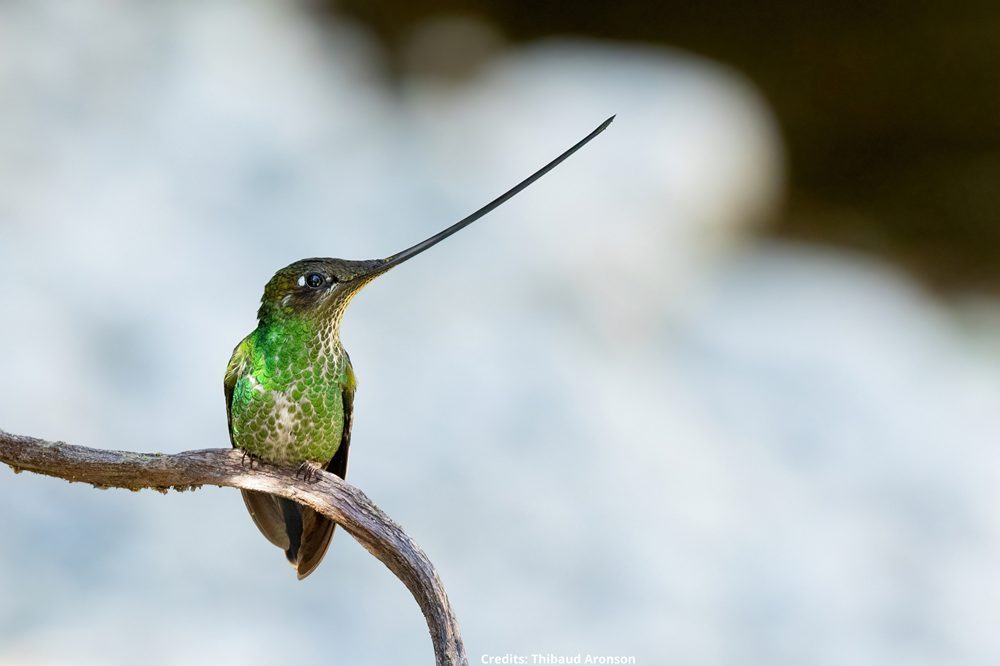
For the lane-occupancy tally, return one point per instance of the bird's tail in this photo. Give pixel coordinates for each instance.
(309, 535)
(292, 515)
(302, 533)
(317, 530)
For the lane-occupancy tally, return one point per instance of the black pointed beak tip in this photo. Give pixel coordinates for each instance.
(379, 266)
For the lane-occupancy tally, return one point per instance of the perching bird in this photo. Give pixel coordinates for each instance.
(290, 386)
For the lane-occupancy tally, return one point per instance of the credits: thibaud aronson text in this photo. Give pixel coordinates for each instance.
(550, 658)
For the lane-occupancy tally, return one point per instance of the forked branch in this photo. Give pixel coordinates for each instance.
(329, 495)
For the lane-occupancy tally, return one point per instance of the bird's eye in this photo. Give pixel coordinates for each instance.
(315, 280)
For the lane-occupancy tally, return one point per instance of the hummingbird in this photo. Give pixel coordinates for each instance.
(290, 386)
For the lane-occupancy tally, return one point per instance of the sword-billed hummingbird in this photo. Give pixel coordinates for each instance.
(290, 386)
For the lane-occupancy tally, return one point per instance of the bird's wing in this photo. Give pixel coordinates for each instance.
(266, 510)
(338, 464)
(317, 530)
(239, 363)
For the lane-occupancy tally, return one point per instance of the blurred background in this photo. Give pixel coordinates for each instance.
(722, 389)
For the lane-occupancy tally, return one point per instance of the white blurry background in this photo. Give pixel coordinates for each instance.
(617, 421)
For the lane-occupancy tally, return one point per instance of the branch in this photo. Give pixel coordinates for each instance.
(330, 495)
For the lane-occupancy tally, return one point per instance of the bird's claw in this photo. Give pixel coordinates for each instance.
(252, 458)
(310, 472)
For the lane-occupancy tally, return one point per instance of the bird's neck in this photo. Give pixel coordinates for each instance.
(303, 340)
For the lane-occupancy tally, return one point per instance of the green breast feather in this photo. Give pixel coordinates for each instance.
(285, 394)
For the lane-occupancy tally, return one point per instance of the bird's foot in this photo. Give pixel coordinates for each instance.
(253, 459)
(310, 471)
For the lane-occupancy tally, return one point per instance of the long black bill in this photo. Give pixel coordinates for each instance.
(409, 253)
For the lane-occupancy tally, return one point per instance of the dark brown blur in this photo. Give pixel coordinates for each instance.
(889, 110)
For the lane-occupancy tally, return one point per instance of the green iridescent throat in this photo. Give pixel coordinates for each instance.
(287, 403)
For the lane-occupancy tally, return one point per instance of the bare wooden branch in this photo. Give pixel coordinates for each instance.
(329, 495)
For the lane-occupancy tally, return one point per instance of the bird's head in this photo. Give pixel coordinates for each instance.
(318, 288)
